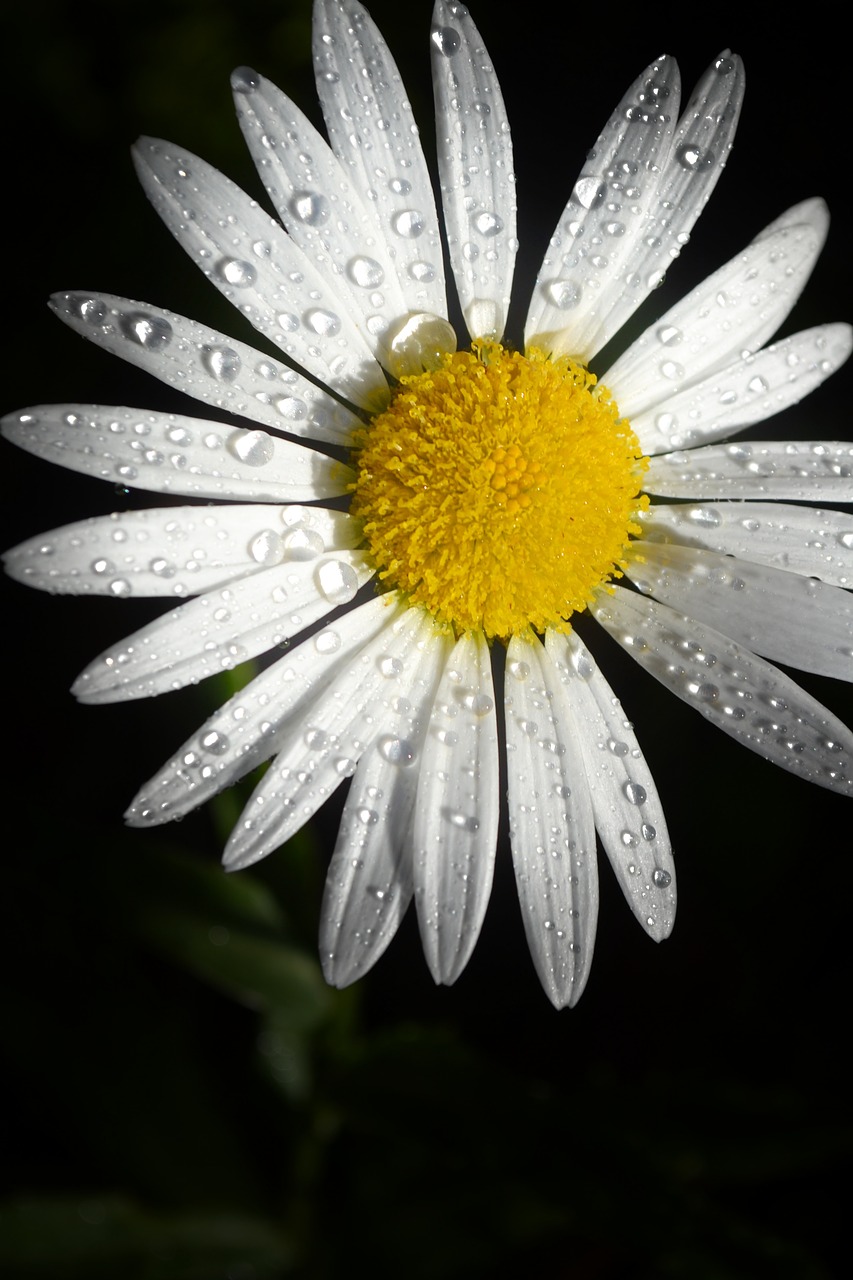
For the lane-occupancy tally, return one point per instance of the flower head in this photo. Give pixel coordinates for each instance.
(452, 503)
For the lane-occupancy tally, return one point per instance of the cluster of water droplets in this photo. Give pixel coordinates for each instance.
(732, 688)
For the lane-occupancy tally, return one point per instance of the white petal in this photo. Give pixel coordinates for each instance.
(223, 628)
(551, 823)
(253, 725)
(373, 132)
(673, 182)
(320, 206)
(628, 813)
(795, 470)
(174, 551)
(590, 251)
(742, 694)
(736, 309)
(804, 540)
(170, 453)
(369, 884)
(258, 268)
(751, 389)
(799, 621)
(456, 819)
(351, 713)
(475, 169)
(207, 365)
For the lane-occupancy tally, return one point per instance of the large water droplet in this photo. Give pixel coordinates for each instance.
(661, 878)
(254, 448)
(409, 223)
(337, 581)
(309, 207)
(564, 294)
(222, 363)
(488, 224)
(267, 547)
(215, 743)
(693, 158)
(303, 544)
(446, 40)
(153, 332)
(635, 793)
(239, 274)
(244, 80)
(365, 272)
(397, 751)
(323, 322)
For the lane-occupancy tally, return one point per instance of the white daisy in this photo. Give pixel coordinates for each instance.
(491, 495)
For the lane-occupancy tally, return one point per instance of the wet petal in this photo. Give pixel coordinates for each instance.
(818, 544)
(258, 268)
(738, 692)
(369, 884)
(475, 169)
(352, 713)
(551, 823)
(456, 820)
(320, 206)
(795, 470)
(175, 551)
(732, 312)
(799, 621)
(628, 813)
(219, 630)
(252, 726)
(170, 453)
(655, 201)
(373, 132)
(207, 365)
(753, 388)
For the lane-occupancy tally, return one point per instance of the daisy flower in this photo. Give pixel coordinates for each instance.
(405, 511)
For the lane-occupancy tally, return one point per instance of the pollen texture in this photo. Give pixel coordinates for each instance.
(499, 490)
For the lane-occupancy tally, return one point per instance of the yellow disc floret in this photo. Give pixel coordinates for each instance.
(499, 490)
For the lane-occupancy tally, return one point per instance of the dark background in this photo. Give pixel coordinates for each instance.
(186, 1100)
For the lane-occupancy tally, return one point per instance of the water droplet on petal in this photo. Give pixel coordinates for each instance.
(222, 363)
(564, 294)
(409, 223)
(488, 224)
(446, 40)
(397, 751)
(267, 547)
(309, 207)
(661, 878)
(693, 158)
(367, 273)
(214, 742)
(153, 332)
(241, 275)
(254, 448)
(337, 581)
(635, 793)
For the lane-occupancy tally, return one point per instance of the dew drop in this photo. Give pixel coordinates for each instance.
(309, 207)
(446, 40)
(242, 275)
(222, 363)
(327, 641)
(367, 273)
(337, 581)
(634, 793)
(693, 158)
(397, 751)
(291, 408)
(661, 878)
(409, 223)
(422, 272)
(151, 332)
(303, 544)
(488, 224)
(119, 587)
(215, 743)
(244, 80)
(254, 448)
(267, 547)
(390, 667)
(564, 294)
(323, 322)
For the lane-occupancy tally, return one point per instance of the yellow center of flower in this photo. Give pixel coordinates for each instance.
(499, 490)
